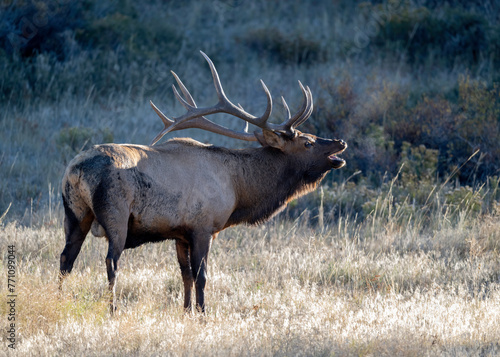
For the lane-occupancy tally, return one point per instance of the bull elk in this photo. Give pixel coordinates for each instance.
(188, 191)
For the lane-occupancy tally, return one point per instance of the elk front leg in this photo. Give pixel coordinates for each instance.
(200, 246)
(182, 248)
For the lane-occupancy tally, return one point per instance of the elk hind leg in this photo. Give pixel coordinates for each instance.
(75, 231)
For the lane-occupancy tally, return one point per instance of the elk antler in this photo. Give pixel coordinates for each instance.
(195, 116)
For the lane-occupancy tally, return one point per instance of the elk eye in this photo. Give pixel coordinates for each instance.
(309, 144)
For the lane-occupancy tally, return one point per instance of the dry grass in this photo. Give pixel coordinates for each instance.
(279, 289)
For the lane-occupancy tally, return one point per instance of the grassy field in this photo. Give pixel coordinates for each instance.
(283, 288)
(397, 254)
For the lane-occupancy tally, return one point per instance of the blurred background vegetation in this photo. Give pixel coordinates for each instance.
(412, 86)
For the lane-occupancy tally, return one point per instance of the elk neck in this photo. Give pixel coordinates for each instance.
(266, 179)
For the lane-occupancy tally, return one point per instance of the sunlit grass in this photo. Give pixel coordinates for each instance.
(283, 288)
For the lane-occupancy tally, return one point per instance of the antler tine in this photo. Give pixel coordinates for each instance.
(245, 129)
(308, 110)
(181, 100)
(302, 112)
(166, 121)
(187, 95)
(226, 106)
(171, 125)
(285, 127)
(162, 116)
(289, 125)
(287, 110)
(217, 83)
(263, 119)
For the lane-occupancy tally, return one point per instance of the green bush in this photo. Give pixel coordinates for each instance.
(477, 126)
(64, 28)
(418, 163)
(71, 141)
(154, 39)
(448, 36)
(290, 48)
(383, 133)
(32, 27)
(495, 48)
(342, 112)
(464, 198)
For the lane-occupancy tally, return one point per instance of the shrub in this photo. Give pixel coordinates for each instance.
(447, 36)
(391, 128)
(464, 198)
(494, 53)
(62, 28)
(73, 140)
(418, 167)
(31, 27)
(283, 48)
(342, 112)
(418, 163)
(152, 39)
(477, 126)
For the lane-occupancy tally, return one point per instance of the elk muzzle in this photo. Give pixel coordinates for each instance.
(338, 147)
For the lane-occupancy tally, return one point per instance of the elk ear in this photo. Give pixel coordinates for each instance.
(270, 138)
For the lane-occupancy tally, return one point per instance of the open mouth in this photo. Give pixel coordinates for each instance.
(335, 161)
